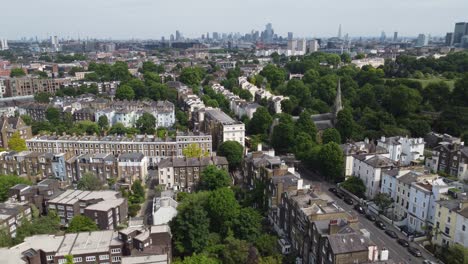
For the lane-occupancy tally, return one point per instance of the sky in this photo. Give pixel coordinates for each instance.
(151, 19)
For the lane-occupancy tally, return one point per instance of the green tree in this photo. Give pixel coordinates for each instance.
(17, 72)
(331, 162)
(190, 228)
(8, 181)
(146, 123)
(119, 72)
(213, 178)
(139, 87)
(198, 259)
(223, 209)
(306, 125)
(456, 254)
(460, 92)
(118, 128)
(53, 115)
(247, 226)
(283, 136)
(246, 95)
(260, 122)
(233, 151)
(193, 150)
(124, 92)
(138, 189)
(402, 100)
(42, 97)
(81, 223)
(331, 135)
(151, 77)
(89, 182)
(383, 201)
(27, 119)
(354, 185)
(16, 143)
(235, 251)
(274, 75)
(345, 124)
(103, 123)
(192, 76)
(266, 244)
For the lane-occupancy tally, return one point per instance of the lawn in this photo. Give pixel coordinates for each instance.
(425, 82)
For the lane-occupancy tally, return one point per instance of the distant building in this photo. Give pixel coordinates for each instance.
(221, 126)
(449, 39)
(313, 46)
(3, 44)
(450, 158)
(461, 29)
(422, 40)
(404, 150)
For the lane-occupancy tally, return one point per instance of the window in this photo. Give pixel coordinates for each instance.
(90, 258)
(448, 219)
(77, 259)
(447, 230)
(116, 259)
(463, 227)
(103, 257)
(50, 257)
(115, 250)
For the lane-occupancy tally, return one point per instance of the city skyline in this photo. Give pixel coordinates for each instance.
(143, 19)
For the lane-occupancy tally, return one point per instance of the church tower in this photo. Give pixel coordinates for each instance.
(337, 106)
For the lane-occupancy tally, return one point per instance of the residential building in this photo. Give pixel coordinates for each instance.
(11, 125)
(151, 147)
(450, 158)
(107, 208)
(36, 195)
(132, 166)
(221, 126)
(11, 216)
(135, 245)
(365, 147)
(313, 46)
(450, 222)
(184, 173)
(164, 209)
(403, 150)
(369, 169)
(32, 85)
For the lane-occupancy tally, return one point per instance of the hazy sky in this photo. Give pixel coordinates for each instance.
(120, 19)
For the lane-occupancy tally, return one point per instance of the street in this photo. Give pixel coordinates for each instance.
(397, 253)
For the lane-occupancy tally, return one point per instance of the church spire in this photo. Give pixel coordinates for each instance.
(338, 106)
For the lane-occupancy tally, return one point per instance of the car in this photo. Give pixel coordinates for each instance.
(414, 251)
(428, 262)
(348, 200)
(332, 190)
(370, 217)
(403, 242)
(359, 208)
(339, 195)
(391, 233)
(380, 225)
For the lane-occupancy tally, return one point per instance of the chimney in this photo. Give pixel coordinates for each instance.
(382, 139)
(333, 227)
(353, 221)
(259, 147)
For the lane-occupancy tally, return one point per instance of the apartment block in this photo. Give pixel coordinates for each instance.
(451, 221)
(36, 195)
(31, 86)
(132, 245)
(151, 147)
(369, 169)
(450, 158)
(183, 174)
(11, 215)
(404, 150)
(107, 208)
(365, 147)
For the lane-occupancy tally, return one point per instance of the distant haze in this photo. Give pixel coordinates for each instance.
(144, 19)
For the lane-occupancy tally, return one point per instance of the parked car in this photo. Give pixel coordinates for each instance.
(429, 262)
(332, 190)
(380, 225)
(359, 208)
(403, 242)
(391, 233)
(339, 195)
(370, 217)
(414, 251)
(348, 200)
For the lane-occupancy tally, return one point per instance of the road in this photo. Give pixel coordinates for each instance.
(397, 253)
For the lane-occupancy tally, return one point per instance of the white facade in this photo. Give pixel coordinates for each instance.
(461, 230)
(369, 170)
(234, 132)
(3, 44)
(403, 149)
(313, 46)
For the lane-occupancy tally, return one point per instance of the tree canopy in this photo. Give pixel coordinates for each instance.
(81, 223)
(233, 151)
(213, 178)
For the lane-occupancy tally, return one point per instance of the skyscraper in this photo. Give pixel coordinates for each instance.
(301, 46)
(290, 35)
(292, 45)
(395, 36)
(3, 44)
(449, 39)
(383, 36)
(268, 33)
(339, 32)
(313, 46)
(178, 36)
(461, 29)
(421, 41)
